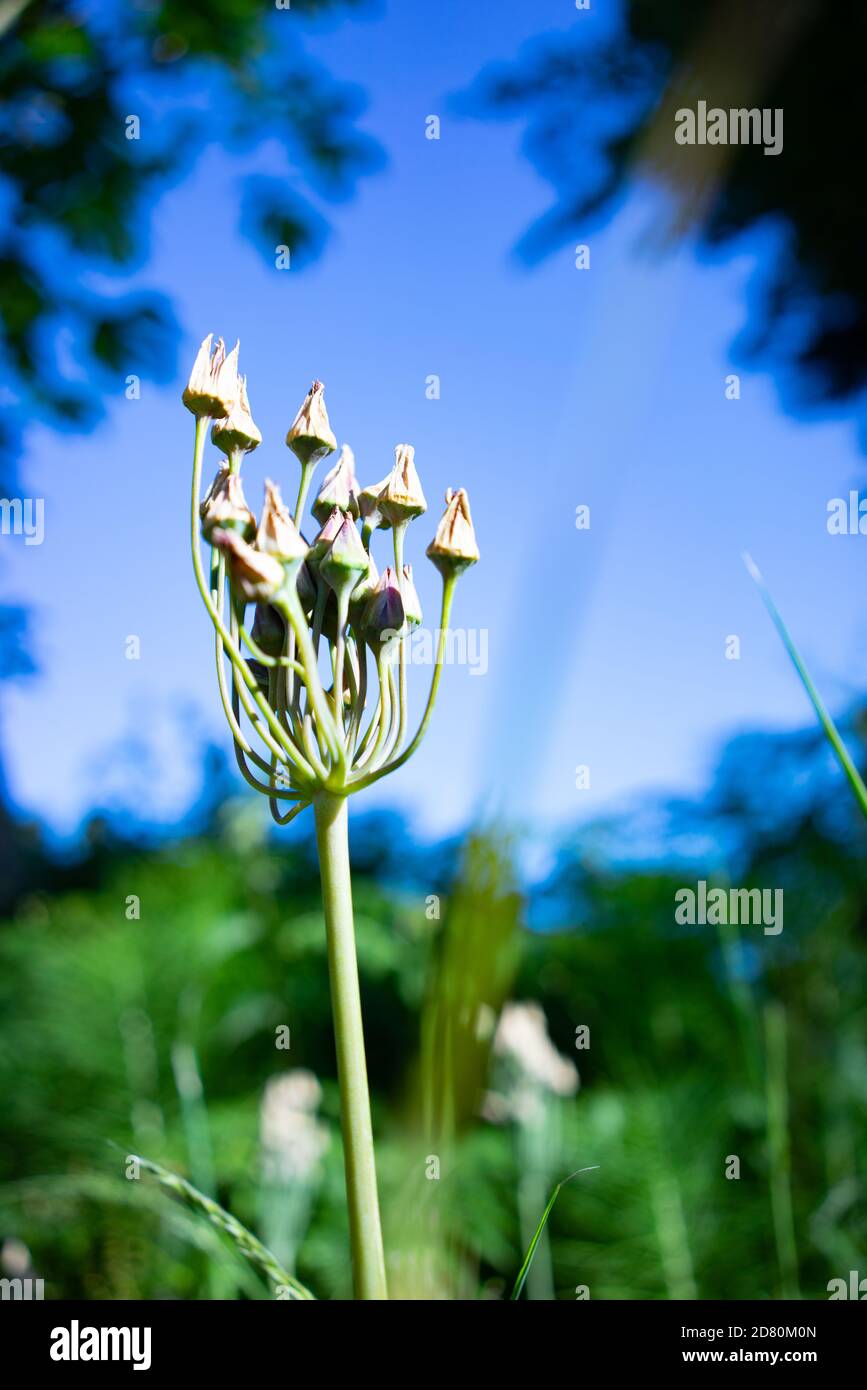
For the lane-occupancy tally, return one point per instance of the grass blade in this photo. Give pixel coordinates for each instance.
(248, 1245)
(531, 1250)
(853, 775)
(185, 1225)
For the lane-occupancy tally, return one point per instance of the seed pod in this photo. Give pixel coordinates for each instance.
(238, 430)
(227, 509)
(311, 436)
(346, 560)
(411, 600)
(383, 618)
(278, 534)
(402, 498)
(368, 506)
(222, 474)
(213, 384)
(322, 542)
(256, 577)
(339, 489)
(454, 546)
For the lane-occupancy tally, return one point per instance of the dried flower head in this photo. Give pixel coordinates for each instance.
(278, 535)
(402, 498)
(454, 546)
(368, 506)
(322, 542)
(219, 478)
(339, 488)
(411, 600)
(227, 508)
(213, 384)
(238, 432)
(346, 560)
(311, 436)
(256, 577)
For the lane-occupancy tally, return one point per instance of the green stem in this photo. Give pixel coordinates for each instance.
(307, 471)
(399, 534)
(289, 604)
(376, 729)
(398, 537)
(340, 657)
(365, 1234)
(367, 780)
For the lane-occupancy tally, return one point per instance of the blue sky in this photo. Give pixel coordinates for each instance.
(559, 387)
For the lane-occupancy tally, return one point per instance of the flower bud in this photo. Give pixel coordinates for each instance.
(364, 589)
(402, 498)
(213, 384)
(222, 475)
(269, 629)
(278, 534)
(346, 560)
(238, 431)
(306, 589)
(411, 600)
(368, 506)
(339, 488)
(454, 547)
(311, 436)
(226, 508)
(256, 577)
(383, 617)
(322, 543)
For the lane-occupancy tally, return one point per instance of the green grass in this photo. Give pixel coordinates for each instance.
(831, 732)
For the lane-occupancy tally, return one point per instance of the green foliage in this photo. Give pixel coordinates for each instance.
(81, 183)
(597, 105)
(704, 1044)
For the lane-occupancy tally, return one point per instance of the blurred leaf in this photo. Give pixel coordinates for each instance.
(840, 750)
(598, 108)
(273, 215)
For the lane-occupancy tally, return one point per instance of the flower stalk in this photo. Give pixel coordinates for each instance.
(298, 738)
(365, 1234)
